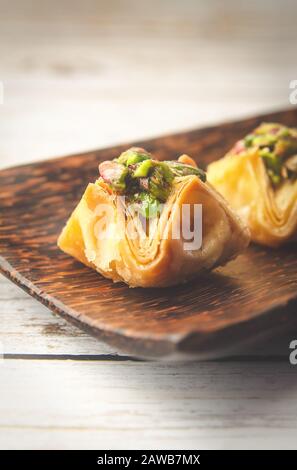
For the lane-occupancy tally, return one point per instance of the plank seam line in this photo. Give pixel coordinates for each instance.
(72, 357)
(117, 358)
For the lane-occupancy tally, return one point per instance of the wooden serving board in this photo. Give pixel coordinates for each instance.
(251, 297)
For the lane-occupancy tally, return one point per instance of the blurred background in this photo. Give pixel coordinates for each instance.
(83, 75)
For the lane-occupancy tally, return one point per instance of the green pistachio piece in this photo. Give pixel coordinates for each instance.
(114, 174)
(248, 140)
(158, 191)
(136, 158)
(143, 169)
(166, 171)
(181, 169)
(285, 147)
(276, 179)
(160, 181)
(148, 206)
(132, 156)
(273, 164)
(264, 140)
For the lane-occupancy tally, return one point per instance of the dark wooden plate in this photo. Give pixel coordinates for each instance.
(254, 295)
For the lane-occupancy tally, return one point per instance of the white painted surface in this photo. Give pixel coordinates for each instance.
(27, 327)
(82, 75)
(69, 404)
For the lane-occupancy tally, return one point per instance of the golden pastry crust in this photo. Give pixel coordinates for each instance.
(156, 261)
(270, 212)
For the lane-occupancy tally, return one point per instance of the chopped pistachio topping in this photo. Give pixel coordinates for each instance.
(148, 206)
(114, 174)
(143, 179)
(132, 156)
(143, 169)
(277, 145)
(160, 182)
(181, 169)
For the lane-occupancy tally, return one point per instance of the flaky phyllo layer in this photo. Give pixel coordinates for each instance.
(258, 177)
(129, 224)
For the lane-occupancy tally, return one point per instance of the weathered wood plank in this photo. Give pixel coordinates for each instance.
(81, 66)
(70, 75)
(28, 327)
(253, 295)
(54, 404)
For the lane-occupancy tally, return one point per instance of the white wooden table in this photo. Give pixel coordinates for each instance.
(82, 75)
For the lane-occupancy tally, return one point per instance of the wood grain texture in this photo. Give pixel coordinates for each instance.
(28, 331)
(27, 328)
(253, 295)
(100, 405)
(71, 71)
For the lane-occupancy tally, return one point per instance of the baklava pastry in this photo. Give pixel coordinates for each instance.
(258, 177)
(152, 224)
